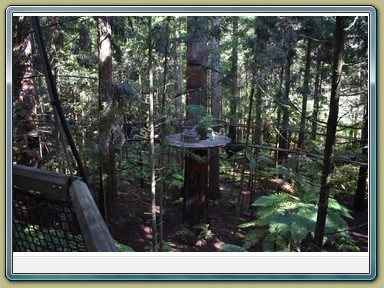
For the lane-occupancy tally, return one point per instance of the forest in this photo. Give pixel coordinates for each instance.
(201, 133)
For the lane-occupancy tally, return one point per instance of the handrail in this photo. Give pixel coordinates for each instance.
(95, 232)
(60, 187)
(53, 185)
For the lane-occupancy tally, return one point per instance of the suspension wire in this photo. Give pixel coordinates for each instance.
(58, 111)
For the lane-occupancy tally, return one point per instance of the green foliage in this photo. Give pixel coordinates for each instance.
(252, 165)
(123, 248)
(290, 220)
(177, 181)
(184, 234)
(169, 247)
(205, 232)
(344, 243)
(265, 160)
(253, 237)
(196, 111)
(345, 179)
(232, 248)
(73, 51)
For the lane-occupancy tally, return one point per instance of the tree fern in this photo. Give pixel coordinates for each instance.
(290, 219)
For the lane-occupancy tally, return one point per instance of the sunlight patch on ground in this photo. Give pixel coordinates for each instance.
(148, 232)
(200, 243)
(217, 245)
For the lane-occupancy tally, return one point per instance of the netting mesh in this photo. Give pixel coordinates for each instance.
(42, 225)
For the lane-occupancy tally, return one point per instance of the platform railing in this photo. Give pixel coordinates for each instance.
(53, 213)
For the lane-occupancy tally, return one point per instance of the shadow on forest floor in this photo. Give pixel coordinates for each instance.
(133, 226)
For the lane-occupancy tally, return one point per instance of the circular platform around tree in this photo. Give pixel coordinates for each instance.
(175, 140)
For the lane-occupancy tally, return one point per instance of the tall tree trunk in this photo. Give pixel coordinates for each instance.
(197, 59)
(166, 48)
(108, 191)
(359, 201)
(105, 62)
(152, 139)
(179, 71)
(233, 108)
(283, 140)
(328, 162)
(241, 188)
(260, 46)
(305, 92)
(214, 157)
(195, 203)
(24, 94)
(316, 97)
(279, 109)
(161, 160)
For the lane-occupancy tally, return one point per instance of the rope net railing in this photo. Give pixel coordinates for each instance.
(43, 225)
(51, 212)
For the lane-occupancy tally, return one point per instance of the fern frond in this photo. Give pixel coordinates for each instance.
(334, 222)
(333, 204)
(274, 200)
(248, 224)
(265, 159)
(268, 243)
(253, 236)
(232, 248)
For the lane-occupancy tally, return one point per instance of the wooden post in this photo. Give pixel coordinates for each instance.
(195, 205)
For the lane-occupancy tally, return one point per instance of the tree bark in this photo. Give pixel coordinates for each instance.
(195, 203)
(214, 156)
(305, 93)
(105, 62)
(316, 98)
(179, 77)
(233, 109)
(359, 201)
(152, 139)
(328, 161)
(257, 70)
(161, 160)
(248, 129)
(107, 192)
(283, 140)
(197, 58)
(24, 94)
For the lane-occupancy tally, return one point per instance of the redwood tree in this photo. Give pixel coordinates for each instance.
(195, 204)
(107, 192)
(24, 93)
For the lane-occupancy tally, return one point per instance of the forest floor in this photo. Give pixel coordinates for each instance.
(133, 225)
